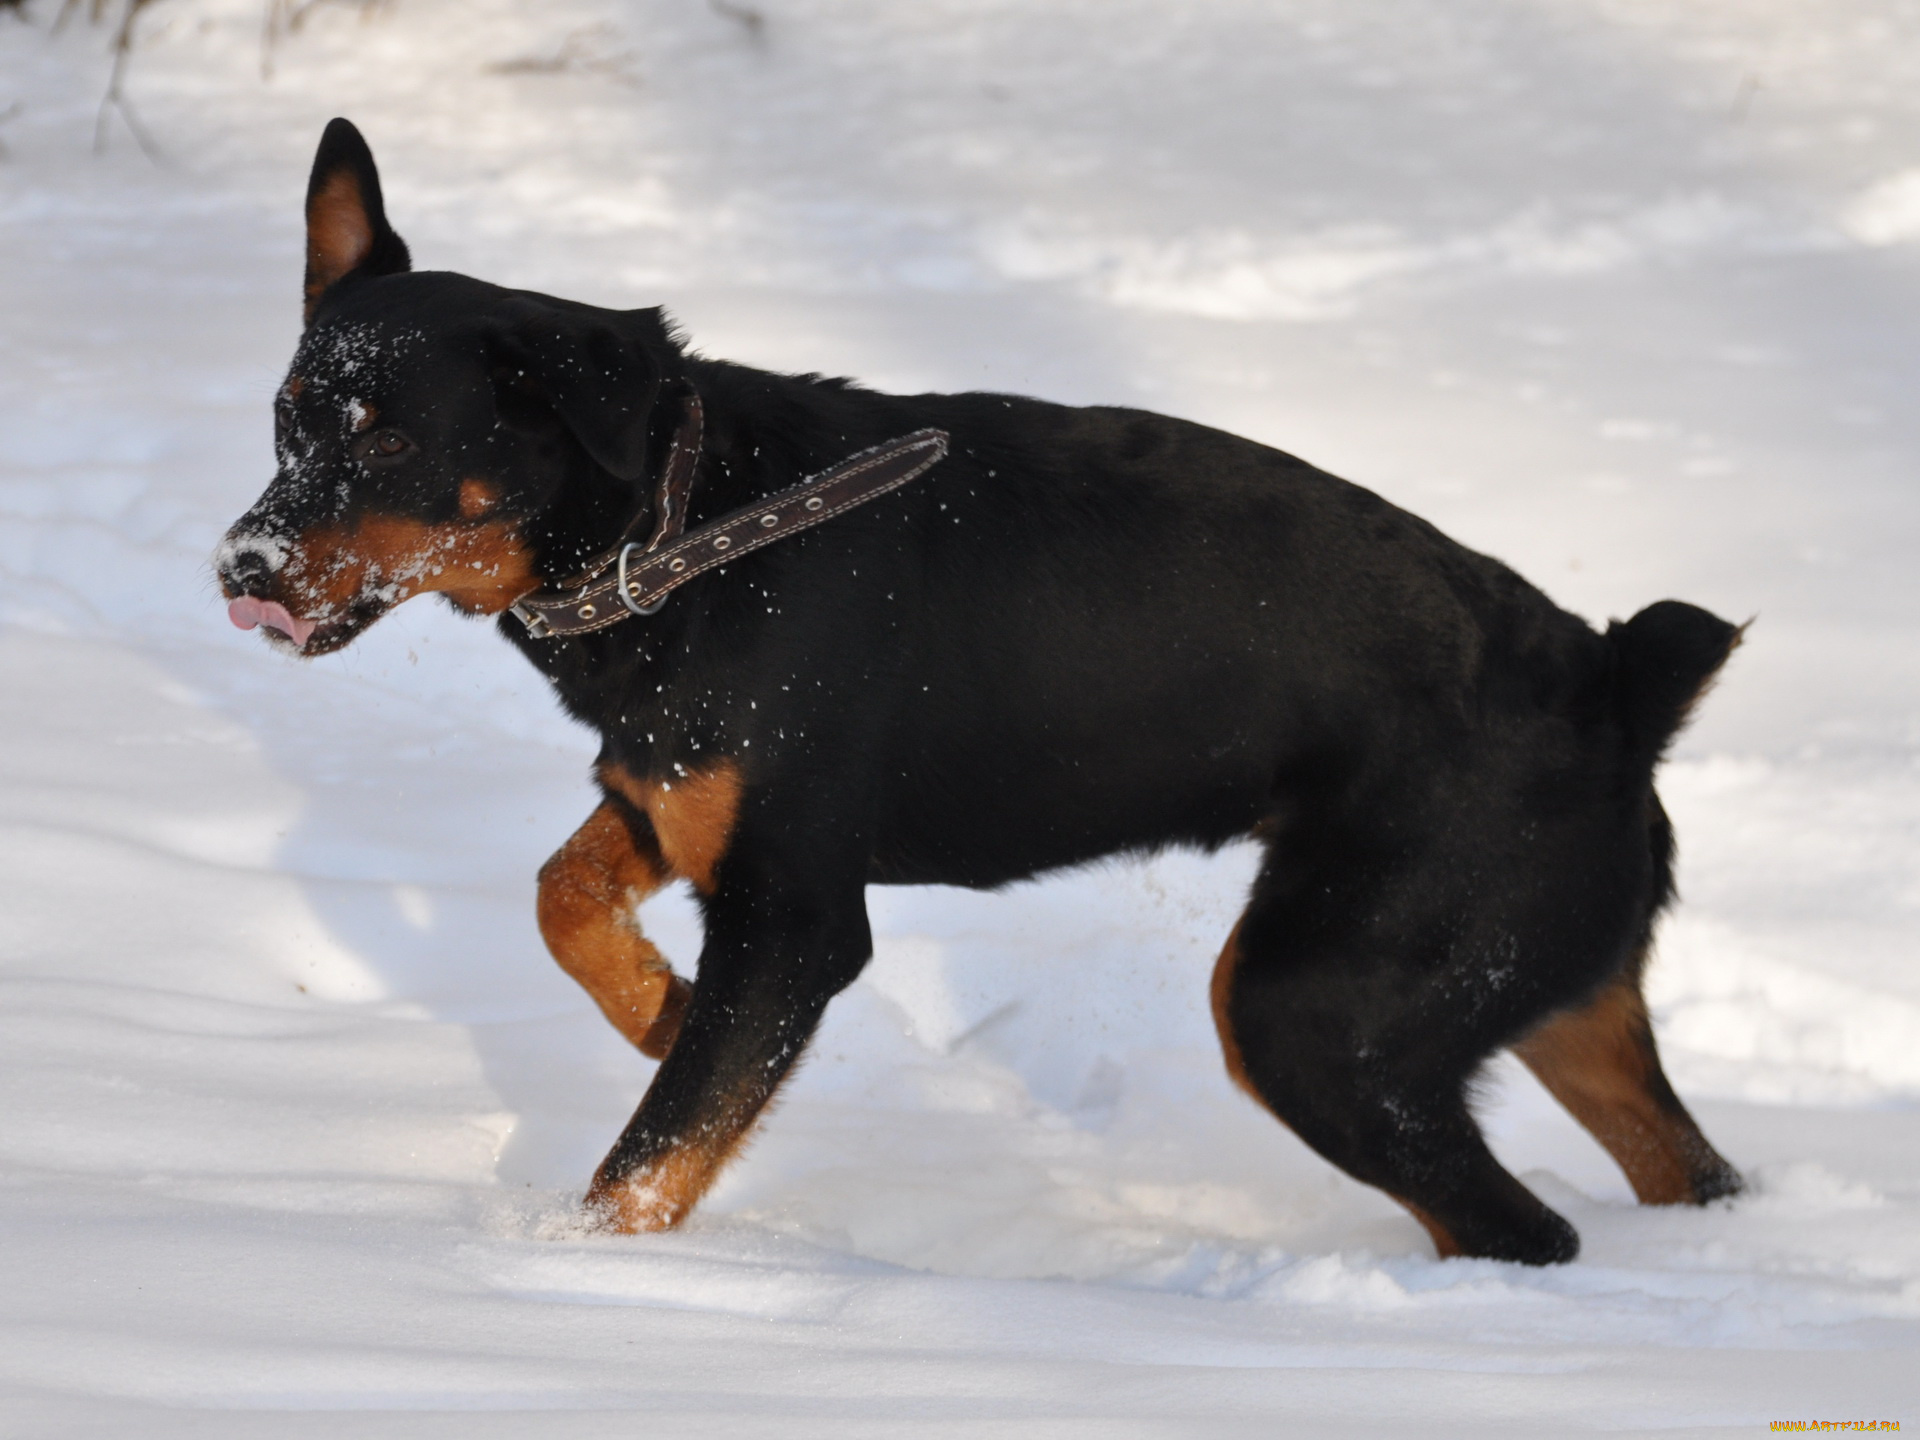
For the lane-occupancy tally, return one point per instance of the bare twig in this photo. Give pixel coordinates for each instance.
(753, 21)
(584, 51)
(116, 96)
(282, 17)
(12, 112)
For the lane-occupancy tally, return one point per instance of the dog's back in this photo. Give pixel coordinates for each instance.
(1098, 629)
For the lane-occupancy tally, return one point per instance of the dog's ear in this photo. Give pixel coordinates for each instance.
(347, 228)
(600, 373)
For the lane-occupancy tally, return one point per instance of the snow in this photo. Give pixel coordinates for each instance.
(298, 1112)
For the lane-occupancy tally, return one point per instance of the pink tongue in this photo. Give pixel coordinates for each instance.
(247, 612)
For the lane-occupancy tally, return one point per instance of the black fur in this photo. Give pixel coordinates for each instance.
(1088, 631)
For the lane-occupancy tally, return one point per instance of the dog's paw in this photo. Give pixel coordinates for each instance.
(634, 1206)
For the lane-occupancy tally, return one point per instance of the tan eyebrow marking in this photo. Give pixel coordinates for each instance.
(477, 497)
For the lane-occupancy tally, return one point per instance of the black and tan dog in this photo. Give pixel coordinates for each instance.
(1082, 632)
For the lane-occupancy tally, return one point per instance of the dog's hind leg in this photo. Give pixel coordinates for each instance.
(588, 892)
(1600, 1062)
(1364, 1043)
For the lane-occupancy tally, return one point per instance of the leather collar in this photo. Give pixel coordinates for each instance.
(635, 579)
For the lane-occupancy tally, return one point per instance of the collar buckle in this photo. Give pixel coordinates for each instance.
(535, 622)
(627, 591)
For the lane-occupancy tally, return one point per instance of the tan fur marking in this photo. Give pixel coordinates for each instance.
(664, 1194)
(477, 497)
(693, 814)
(693, 817)
(588, 892)
(1442, 1238)
(661, 1197)
(1220, 992)
(339, 234)
(296, 386)
(1600, 1063)
(481, 568)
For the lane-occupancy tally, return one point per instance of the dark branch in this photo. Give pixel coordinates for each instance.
(116, 96)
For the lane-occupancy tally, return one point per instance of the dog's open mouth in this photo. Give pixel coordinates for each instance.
(308, 637)
(249, 612)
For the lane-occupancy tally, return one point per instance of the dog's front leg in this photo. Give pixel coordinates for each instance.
(588, 893)
(777, 950)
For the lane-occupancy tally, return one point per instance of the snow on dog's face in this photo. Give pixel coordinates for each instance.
(393, 478)
(425, 430)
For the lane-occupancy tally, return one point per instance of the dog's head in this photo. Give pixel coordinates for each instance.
(434, 433)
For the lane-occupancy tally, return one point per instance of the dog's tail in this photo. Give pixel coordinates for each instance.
(1664, 660)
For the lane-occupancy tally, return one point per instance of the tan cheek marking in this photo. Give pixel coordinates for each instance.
(296, 386)
(693, 815)
(339, 235)
(588, 892)
(482, 568)
(477, 497)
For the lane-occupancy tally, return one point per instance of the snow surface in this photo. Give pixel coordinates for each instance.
(297, 1110)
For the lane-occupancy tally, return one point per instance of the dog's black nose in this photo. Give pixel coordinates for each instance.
(243, 569)
(246, 573)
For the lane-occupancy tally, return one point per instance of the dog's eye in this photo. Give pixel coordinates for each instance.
(384, 444)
